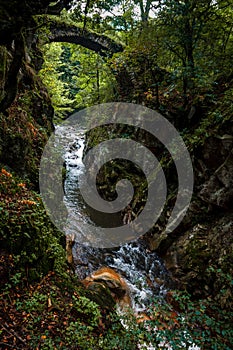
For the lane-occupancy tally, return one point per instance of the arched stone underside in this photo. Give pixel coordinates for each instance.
(101, 44)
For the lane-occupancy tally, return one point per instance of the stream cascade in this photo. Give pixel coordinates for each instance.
(142, 269)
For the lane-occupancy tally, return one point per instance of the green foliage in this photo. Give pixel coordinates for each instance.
(75, 77)
(26, 231)
(80, 322)
(89, 308)
(94, 81)
(106, 16)
(53, 79)
(181, 57)
(218, 116)
(172, 58)
(201, 323)
(23, 134)
(36, 303)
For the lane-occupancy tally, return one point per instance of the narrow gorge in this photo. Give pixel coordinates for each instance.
(63, 57)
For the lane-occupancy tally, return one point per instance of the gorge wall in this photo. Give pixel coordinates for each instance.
(199, 252)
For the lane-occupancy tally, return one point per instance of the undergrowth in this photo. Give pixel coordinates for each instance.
(58, 313)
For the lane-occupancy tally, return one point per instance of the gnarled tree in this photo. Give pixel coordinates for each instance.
(18, 33)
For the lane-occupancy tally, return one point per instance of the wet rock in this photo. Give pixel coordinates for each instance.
(219, 189)
(102, 296)
(201, 259)
(216, 150)
(198, 252)
(109, 278)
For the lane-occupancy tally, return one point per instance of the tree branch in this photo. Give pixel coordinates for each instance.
(12, 333)
(60, 5)
(10, 87)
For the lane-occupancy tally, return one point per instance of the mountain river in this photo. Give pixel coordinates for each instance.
(142, 269)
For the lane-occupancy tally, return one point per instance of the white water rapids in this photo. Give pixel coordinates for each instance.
(142, 269)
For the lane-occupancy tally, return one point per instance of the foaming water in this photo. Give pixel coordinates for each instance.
(142, 269)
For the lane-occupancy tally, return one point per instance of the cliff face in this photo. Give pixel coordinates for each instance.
(25, 108)
(199, 252)
(26, 123)
(27, 237)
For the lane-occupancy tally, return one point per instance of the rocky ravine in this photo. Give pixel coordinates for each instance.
(199, 252)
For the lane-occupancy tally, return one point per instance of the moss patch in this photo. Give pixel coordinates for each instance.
(25, 230)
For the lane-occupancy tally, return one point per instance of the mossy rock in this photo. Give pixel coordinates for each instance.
(26, 231)
(202, 259)
(102, 296)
